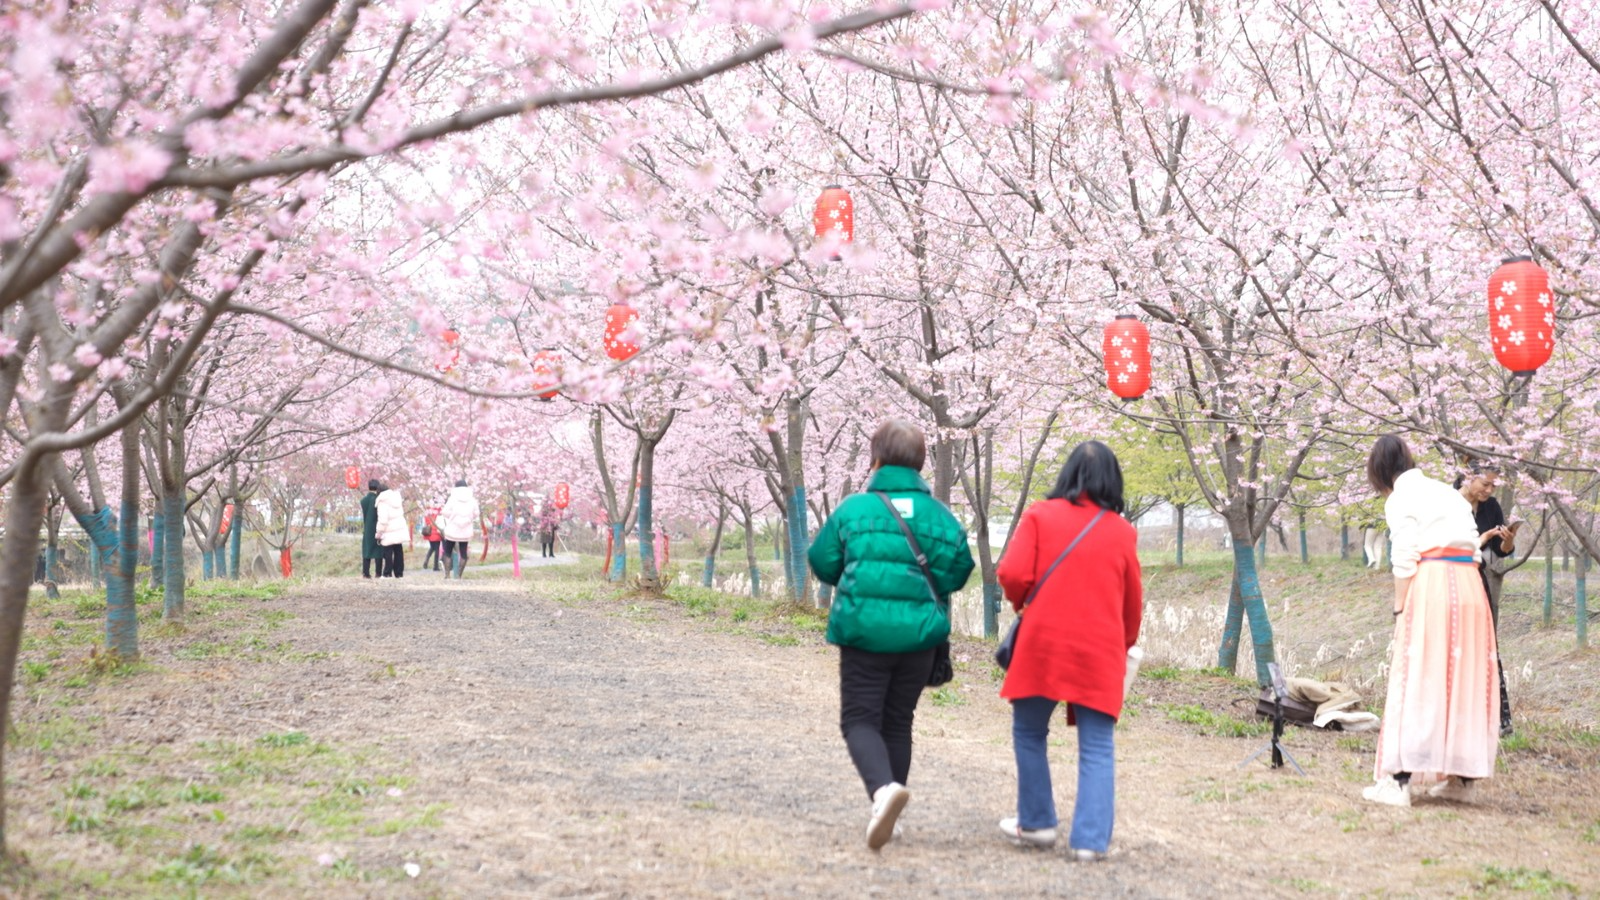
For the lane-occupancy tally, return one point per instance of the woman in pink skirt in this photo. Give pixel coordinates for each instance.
(1441, 718)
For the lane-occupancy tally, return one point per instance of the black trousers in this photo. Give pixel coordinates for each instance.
(394, 561)
(451, 548)
(878, 695)
(432, 559)
(366, 565)
(1494, 613)
(547, 545)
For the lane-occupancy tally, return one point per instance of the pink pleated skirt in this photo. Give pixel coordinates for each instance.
(1443, 711)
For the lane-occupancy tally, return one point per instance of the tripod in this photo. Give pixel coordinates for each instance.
(1275, 743)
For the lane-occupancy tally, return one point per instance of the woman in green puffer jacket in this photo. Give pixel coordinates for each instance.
(887, 617)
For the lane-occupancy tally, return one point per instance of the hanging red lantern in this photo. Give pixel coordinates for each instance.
(286, 562)
(452, 342)
(834, 219)
(561, 496)
(227, 520)
(618, 317)
(352, 477)
(1127, 354)
(1522, 315)
(546, 374)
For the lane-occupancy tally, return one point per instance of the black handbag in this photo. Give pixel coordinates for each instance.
(943, 672)
(1008, 644)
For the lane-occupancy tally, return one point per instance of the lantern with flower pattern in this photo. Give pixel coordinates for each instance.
(1126, 349)
(1522, 315)
(834, 219)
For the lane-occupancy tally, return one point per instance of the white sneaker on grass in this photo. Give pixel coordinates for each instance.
(1031, 837)
(887, 804)
(1455, 790)
(1388, 792)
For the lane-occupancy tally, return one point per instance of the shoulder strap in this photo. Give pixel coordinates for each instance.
(916, 548)
(1046, 576)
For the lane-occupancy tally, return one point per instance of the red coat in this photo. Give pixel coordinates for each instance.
(1074, 642)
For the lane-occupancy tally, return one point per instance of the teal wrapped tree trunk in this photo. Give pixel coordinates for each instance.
(172, 575)
(235, 543)
(619, 553)
(122, 617)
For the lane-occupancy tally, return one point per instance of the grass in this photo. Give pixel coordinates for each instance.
(184, 818)
(1540, 883)
(1213, 723)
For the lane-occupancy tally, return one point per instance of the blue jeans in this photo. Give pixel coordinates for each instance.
(1095, 809)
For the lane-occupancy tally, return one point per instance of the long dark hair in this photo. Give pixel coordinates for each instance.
(1091, 471)
(1390, 458)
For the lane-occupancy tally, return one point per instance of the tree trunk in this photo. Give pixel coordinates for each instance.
(1304, 556)
(619, 553)
(709, 579)
(798, 537)
(122, 616)
(172, 580)
(1344, 541)
(19, 549)
(1580, 597)
(236, 542)
(1178, 510)
(649, 575)
(750, 553)
(158, 545)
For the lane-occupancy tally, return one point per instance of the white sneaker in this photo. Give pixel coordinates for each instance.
(1032, 837)
(1087, 855)
(1388, 792)
(887, 804)
(1455, 790)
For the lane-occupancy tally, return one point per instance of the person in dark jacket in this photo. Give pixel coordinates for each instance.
(1497, 539)
(371, 550)
(887, 618)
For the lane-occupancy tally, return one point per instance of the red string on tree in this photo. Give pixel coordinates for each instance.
(1522, 315)
(352, 477)
(834, 219)
(1127, 354)
(561, 496)
(546, 374)
(618, 317)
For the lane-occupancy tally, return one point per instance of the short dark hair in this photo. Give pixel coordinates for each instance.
(1091, 471)
(374, 484)
(898, 442)
(1389, 459)
(461, 482)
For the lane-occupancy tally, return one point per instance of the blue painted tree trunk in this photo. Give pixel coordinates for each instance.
(158, 551)
(122, 618)
(1232, 628)
(172, 575)
(102, 533)
(798, 539)
(1180, 535)
(1255, 610)
(709, 577)
(50, 588)
(619, 553)
(205, 564)
(755, 582)
(647, 538)
(1580, 597)
(235, 543)
(991, 609)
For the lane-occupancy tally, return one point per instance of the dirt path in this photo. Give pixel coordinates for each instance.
(617, 749)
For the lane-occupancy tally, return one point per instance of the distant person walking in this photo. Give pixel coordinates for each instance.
(393, 532)
(1072, 646)
(1441, 717)
(1496, 539)
(458, 519)
(430, 533)
(371, 550)
(887, 617)
(549, 518)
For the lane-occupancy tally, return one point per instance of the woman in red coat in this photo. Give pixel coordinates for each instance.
(1073, 644)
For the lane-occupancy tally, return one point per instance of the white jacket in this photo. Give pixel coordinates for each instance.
(459, 516)
(391, 519)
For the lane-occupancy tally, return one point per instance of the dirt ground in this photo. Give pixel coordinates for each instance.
(586, 746)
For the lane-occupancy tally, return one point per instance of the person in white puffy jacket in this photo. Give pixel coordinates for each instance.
(392, 533)
(458, 519)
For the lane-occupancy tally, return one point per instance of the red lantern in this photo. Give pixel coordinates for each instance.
(1522, 315)
(546, 374)
(834, 219)
(1127, 353)
(452, 340)
(562, 496)
(352, 477)
(618, 317)
(227, 519)
(286, 562)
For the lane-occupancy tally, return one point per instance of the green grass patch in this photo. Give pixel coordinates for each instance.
(947, 695)
(778, 640)
(47, 734)
(199, 793)
(1213, 723)
(1162, 673)
(429, 816)
(200, 865)
(1540, 883)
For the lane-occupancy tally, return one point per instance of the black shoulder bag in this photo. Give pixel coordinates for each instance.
(1008, 644)
(943, 672)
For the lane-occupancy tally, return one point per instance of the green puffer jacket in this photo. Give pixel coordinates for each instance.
(883, 603)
